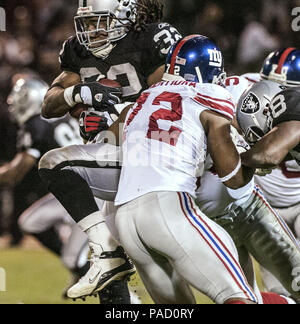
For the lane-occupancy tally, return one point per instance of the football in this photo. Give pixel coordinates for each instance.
(110, 83)
(79, 108)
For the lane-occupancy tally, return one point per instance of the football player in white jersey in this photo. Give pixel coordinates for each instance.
(217, 110)
(167, 135)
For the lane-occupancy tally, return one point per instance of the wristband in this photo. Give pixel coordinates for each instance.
(68, 95)
(233, 173)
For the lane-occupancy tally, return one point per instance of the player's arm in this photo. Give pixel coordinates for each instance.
(274, 147)
(55, 105)
(223, 151)
(67, 91)
(13, 172)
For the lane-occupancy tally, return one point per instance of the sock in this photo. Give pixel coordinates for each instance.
(97, 231)
(236, 302)
(115, 293)
(71, 191)
(50, 239)
(273, 299)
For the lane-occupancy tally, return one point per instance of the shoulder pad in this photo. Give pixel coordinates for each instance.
(215, 98)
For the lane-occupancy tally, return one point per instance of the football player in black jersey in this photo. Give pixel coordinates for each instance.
(36, 136)
(125, 42)
(122, 40)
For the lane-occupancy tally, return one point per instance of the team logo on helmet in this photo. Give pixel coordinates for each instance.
(251, 104)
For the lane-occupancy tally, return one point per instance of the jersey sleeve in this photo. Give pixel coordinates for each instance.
(158, 39)
(32, 138)
(285, 106)
(68, 57)
(217, 99)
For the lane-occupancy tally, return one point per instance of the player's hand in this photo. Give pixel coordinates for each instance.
(91, 124)
(93, 94)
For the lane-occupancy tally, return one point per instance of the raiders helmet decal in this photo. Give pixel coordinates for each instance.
(251, 104)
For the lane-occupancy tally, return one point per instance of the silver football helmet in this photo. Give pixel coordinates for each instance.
(100, 23)
(253, 110)
(26, 98)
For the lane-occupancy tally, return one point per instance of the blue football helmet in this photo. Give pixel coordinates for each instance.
(283, 66)
(195, 58)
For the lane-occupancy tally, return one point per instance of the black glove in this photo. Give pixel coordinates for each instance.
(91, 124)
(96, 95)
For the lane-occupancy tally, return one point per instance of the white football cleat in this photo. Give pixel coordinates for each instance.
(107, 267)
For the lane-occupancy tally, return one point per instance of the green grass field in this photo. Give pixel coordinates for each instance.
(34, 276)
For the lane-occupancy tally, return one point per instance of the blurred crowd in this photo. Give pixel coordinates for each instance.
(246, 31)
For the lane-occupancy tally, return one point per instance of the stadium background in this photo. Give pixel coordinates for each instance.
(245, 31)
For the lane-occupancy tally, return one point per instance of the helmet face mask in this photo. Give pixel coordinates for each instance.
(100, 23)
(253, 135)
(196, 58)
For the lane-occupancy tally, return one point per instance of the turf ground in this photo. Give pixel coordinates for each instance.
(35, 276)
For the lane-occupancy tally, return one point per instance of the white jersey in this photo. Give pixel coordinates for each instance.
(282, 186)
(252, 77)
(164, 141)
(237, 86)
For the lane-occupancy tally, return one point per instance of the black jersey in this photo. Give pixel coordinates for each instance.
(38, 136)
(131, 62)
(286, 107)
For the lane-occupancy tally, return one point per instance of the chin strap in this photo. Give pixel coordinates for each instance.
(104, 52)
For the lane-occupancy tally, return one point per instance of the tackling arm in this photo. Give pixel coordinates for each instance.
(13, 172)
(274, 147)
(223, 151)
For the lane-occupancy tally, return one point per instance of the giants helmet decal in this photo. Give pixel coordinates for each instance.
(283, 66)
(195, 58)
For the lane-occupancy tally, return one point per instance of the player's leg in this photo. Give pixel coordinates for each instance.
(267, 238)
(198, 249)
(40, 219)
(290, 216)
(161, 281)
(118, 288)
(74, 174)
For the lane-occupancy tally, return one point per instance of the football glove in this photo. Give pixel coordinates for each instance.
(93, 94)
(91, 124)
